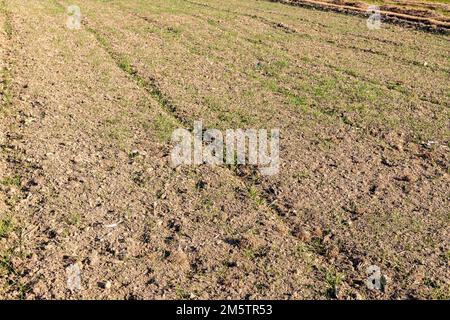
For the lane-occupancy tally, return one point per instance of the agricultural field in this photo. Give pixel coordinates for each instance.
(86, 181)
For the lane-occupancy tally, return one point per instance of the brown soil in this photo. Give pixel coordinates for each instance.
(86, 119)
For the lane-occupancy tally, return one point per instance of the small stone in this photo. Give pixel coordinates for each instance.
(105, 285)
(358, 296)
(77, 159)
(399, 147)
(318, 232)
(136, 152)
(39, 289)
(408, 176)
(333, 252)
(93, 259)
(304, 235)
